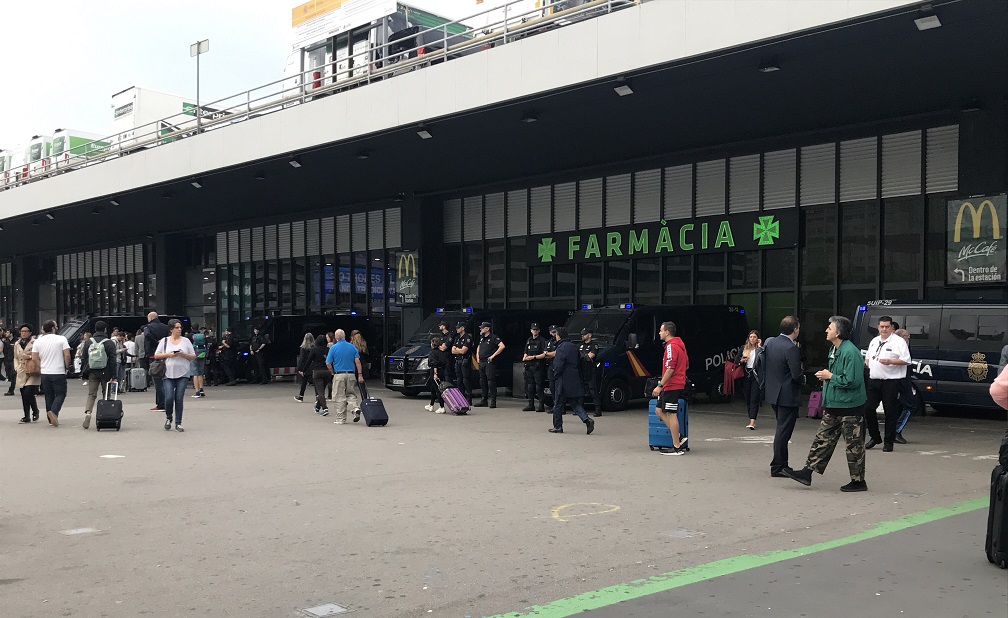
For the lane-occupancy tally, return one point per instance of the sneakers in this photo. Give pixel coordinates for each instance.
(429, 407)
(53, 419)
(590, 423)
(179, 429)
(317, 409)
(356, 415)
(671, 451)
(803, 476)
(298, 398)
(324, 412)
(855, 486)
(752, 427)
(440, 410)
(87, 420)
(528, 408)
(167, 424)
(157, 409)
(341, 421)
(556, 430)
(197, 395)
(25, 420)
(899, 439)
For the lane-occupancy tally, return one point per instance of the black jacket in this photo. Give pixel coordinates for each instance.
(304, 359)
(317, 359)
(784, 377)
(154, 332)
(437, 359)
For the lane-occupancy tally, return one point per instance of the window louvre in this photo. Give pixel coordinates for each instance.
(859, 169)
(743, 183)
(678, 192)
(232, 247)
(257, 244)
(517, 213)
(564, 207)
(818, 174)
(779, 169)
(647, 196)
(222, 255)
(541, 210)
(452, 217)
(138, 258)
(343, 234)
(284, 241)
(494, 216)
(472, 218)
(943, 159)
(130, 257)
(328, 236)
(617, 204)
(312, 238)
(271, 242)
(393, 228)
(710, 188)
(105, 270)
(297, 239)
(244, 245)
(121, 260)
(589, 204)
(901, 164)
(376, 229)
(358, 231)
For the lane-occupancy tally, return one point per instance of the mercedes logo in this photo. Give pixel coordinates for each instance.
(399, 366)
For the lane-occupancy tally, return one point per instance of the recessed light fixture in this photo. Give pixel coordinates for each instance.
(196, 183)
(1, 228)
(530, 117)
(167, 195)
(295, 162)
(35, 221)
(113, 202)
(363, 153)
(49, 216)
(96, 210)
(622, 87)
(769, 65)
(399, 197)
(927, 21)
(424, 133)
(260, 176)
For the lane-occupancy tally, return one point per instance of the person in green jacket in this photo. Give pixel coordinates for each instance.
(843, 401)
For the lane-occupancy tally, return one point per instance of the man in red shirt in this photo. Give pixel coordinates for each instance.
(671, 385)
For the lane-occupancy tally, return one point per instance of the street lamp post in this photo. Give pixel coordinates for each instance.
(197, 48)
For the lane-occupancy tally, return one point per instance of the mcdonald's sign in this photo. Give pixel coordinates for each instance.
(407, 278)
(975, 242)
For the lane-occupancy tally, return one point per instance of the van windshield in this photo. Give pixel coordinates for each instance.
(70, 328)
(430, 325)
(605, 324)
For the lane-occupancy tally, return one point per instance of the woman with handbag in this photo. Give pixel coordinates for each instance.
(176, 352)
(750, 387)
(29, 376)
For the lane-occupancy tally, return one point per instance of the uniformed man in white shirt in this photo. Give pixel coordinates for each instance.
(887, 361)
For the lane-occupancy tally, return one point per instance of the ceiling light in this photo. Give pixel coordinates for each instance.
(49, 216)
(1, 228)
(622, 87)
(363, 153)
(529, 117)
(399, 197)
(424, 133)
(35, 221)
(928, 22)
(113, 202)
(260, 176)
(96, 210)
(196, 184)
(769, 65)
(295, 162)
(167, 195)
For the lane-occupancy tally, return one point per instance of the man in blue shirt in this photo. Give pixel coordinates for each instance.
(344, 361)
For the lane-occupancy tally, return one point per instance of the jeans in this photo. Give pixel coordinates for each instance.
(558, 410)
(159, 398)
(54, 387)
(173, 395)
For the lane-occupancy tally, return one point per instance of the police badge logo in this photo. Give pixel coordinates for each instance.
(977, 367)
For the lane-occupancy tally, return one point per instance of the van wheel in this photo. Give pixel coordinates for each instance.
(716, 394)
(615, 395)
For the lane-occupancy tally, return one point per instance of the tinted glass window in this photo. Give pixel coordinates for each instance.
(922, 326)
(605, 324)
(646, 329)
(962, 327)
(992, 328)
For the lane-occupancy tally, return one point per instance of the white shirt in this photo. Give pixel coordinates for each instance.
(130, 351)
(50, 350)
(893, 347)
(176, 366)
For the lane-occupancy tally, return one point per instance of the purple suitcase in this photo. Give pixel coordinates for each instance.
(455, 401)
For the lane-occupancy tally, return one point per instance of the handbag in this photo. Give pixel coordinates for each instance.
(157, 366)
(31, 368)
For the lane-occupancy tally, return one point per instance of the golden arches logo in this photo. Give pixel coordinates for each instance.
(977, 214)
(407, 266)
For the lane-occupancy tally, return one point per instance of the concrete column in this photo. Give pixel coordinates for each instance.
(27, 278)
(983, 149)
(421, 229)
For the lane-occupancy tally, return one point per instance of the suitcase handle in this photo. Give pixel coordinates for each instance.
(363, 390)
(108, 388)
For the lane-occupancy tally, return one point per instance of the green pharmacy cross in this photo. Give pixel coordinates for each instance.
(547, 250)
(766, 230)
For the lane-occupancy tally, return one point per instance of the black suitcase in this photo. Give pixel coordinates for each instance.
(997, 519)
(109, 411)
(373, 409)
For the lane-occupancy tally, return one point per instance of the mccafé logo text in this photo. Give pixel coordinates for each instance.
(745, 231)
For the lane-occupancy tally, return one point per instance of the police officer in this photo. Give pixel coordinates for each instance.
(462, 351)
(447, 338)
(586, 366)
(549, 352)
(489, 348)
(535, 370)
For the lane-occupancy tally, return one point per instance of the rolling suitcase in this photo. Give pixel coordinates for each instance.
(109, 411)
(658, 434)
(136, 379)
(455, 402)
(372, 408)
(997, 518)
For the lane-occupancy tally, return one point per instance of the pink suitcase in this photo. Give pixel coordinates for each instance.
(455, 401)
(815, 407)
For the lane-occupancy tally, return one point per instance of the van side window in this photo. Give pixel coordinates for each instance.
(921, 326)
(646, 329)
(992, 328)
(962, 327)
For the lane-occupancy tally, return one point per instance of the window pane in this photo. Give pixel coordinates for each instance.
(286, 286)
(618, 282)
(566, 280)
(647, 281)
(473, 281)
(678, 279)
(750, 302)
(496, 276)
(744, 271)
(377, 279)
(776, 306)
(591, 283)
(903, 226)
(935, 241)
(710, 272)
(344, 280)
(779, 267)
(541, 280)
(819, 249)
(859, 243)
(361, 283)
(517, 270)
(453, 274)
(817, 308)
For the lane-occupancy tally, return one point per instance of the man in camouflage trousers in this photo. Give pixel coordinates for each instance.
(843, 404)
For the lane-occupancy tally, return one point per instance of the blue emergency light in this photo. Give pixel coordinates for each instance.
(628, 305)
(586, 306)
(468, 310)
(606, 364)
(741, 310)
(862, 308)
(439, 310)
(353, 313)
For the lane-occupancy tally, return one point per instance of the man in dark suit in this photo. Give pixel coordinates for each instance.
(784, 379)
(567, 383)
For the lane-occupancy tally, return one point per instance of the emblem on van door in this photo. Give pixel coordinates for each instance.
(977, 367)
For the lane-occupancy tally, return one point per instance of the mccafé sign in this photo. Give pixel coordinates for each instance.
(770, 229)
(407, 278)
(976, 241)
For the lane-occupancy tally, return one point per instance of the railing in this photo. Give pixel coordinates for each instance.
(376, 63)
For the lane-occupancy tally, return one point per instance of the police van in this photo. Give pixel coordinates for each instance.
(955, 348)
(630, 350)
(406, 370)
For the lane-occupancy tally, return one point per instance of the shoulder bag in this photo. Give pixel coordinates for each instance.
(157, 365)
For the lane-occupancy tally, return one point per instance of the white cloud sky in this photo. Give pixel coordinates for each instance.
(66, 58)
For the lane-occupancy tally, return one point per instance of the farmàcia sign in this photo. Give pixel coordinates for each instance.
(739, 232)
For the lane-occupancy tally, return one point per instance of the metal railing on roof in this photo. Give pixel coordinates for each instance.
(376, 63)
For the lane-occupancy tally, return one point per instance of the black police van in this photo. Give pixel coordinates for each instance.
(285, 333)
(630, 350)
(955, 348)
(74, 329)
(406, 370)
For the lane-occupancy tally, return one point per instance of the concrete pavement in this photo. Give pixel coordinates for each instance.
(264, 509)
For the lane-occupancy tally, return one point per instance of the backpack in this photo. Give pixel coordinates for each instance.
(199, 343)
(97, 356)
(759, 366)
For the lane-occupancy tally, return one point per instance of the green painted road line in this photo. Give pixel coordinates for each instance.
(691, 575)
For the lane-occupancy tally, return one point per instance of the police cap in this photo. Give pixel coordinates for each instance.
(552, 329)
(460, 325)
(534, 326)
(586, 331)
(443, 323)
(485, 325)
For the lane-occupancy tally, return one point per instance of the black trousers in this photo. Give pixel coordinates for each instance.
(888, 393)
(463, 375)
(786, 419)
(320, 379)
(28, 401)
(535, 383)
(488, 380)
(264, 375)
(753, 396)
(305, 378)
(227, 364)
(588, 385)
(435, 392)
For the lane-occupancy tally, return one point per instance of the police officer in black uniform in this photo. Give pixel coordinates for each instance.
(549, 352)
(489, 348)
(535, 369)
(462, 352)
(447, 338)
(588, 352)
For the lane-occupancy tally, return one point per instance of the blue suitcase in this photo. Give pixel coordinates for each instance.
(658, 434)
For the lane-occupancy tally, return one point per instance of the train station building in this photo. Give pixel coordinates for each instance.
(792, 158)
